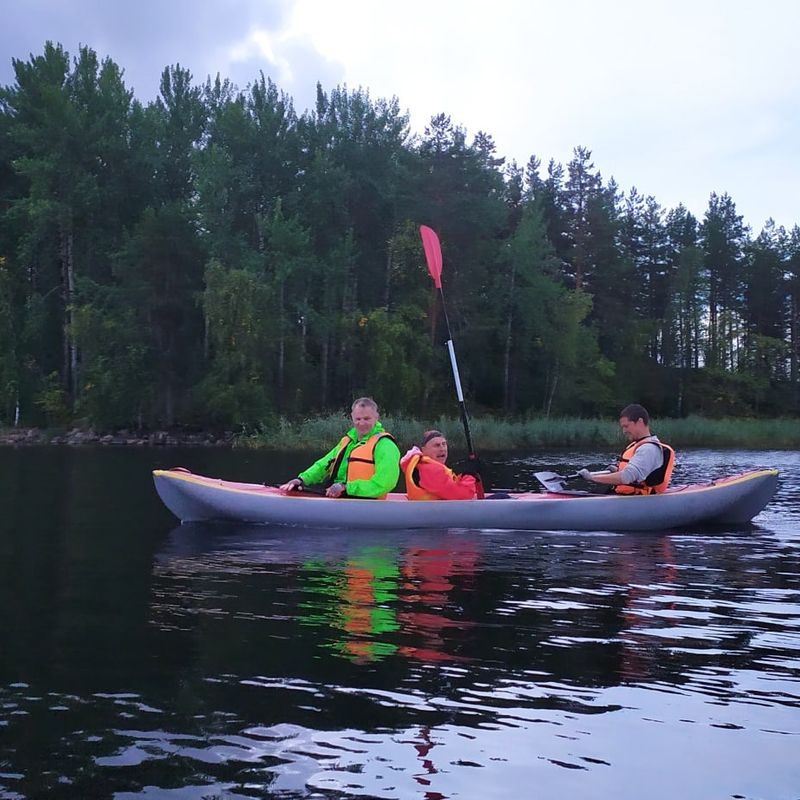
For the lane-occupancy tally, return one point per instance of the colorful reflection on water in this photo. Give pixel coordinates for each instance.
(143, 660)
(385, 600)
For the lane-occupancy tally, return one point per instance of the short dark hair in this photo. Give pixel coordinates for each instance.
(635, 412)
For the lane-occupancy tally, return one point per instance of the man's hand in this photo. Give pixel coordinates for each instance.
(336, 490)
(295, 484)
(586, 475)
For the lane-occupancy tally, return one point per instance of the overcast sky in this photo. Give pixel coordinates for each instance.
(678, 99)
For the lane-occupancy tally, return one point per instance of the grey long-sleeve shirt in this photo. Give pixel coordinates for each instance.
(645, 460)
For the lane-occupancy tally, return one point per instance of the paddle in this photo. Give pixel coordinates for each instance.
(554, 482)
(433, 256)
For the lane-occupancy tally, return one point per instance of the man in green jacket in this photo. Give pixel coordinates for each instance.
(365, 463)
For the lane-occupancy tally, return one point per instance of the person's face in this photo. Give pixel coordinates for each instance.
(436, 449)
(632, 430)
(364, 419)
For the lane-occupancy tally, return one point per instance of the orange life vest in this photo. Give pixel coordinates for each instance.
(360, 461)
(413, 489)
(658, 480)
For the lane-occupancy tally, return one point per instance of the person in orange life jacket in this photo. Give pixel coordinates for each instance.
(365, 462)
(645, 466)
(427, 475)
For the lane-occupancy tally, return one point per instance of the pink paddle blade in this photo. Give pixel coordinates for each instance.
(433, 253)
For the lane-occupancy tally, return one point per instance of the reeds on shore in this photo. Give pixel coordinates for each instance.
(494, 434)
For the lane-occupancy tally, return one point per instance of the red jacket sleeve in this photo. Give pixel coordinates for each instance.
(435, 479)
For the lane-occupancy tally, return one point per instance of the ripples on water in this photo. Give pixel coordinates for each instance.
(264, 662)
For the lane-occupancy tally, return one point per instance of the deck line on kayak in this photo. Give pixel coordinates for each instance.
(254, 488)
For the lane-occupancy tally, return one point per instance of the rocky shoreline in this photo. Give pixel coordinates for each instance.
(16, 437)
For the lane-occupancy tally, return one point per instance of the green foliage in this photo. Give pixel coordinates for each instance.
(212, 258)
(695, 431)
(497, 434)
(235, 303)
(117, 381)
(390, 356)
(9, 347)
(52, 401)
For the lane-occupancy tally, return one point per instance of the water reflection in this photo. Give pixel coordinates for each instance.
(357, 599)
(263, 662)
(431, 615)
(364, 599)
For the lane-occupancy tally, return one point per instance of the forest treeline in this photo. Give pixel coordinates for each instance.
(212, 258)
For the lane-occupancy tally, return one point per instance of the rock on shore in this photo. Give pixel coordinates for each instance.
(77, 436)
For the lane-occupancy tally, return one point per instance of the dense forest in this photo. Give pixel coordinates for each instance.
(212, 258)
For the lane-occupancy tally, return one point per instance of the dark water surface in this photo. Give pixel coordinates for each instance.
(141, 659)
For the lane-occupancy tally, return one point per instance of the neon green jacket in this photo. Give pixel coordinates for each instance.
(387, 466)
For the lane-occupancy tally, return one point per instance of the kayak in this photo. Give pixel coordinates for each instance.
(732, 500)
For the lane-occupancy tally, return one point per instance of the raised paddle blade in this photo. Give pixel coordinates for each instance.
(551, 481)
(433, 253)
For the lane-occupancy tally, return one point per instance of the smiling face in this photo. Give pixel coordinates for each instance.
(364, 419)
(436, 448)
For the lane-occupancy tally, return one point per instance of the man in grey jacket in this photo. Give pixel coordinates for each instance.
(645, 467)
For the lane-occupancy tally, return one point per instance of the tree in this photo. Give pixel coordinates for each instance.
(9, 347)
(645, 245)
(160, 269)
(793, 287)
(766, 314)
(180, 118)
(543, 326)
(288, 256)
(69, 133)
(582, 188)
(235, 387)
(687, 293)
(722, 239)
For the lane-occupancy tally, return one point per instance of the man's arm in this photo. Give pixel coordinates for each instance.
(387, 472)
(646, 459)
(608, 478)
(318, 471)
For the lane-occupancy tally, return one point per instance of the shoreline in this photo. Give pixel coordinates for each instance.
(77, 437)
(490, 434)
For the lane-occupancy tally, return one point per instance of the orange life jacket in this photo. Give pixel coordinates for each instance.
(658, 480)
(413, 489)
(360, 461)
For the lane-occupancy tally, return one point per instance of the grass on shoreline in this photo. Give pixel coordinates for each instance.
(491, 433)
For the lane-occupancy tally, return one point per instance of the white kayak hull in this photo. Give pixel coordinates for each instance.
(734, 500)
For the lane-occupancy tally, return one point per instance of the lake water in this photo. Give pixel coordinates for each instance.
(142, 659)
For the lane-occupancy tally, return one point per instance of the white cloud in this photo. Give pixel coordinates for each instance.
(680, 98)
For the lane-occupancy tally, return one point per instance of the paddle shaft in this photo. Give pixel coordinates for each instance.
(451, 350)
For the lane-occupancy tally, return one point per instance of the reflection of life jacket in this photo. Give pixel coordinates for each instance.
(658, 480)
(413, 489)
(367, 611)
(360, 461)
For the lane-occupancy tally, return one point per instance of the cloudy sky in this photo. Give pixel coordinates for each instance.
(678, 99)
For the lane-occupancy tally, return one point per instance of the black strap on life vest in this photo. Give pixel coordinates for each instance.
(337, 462)
(657, 475)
